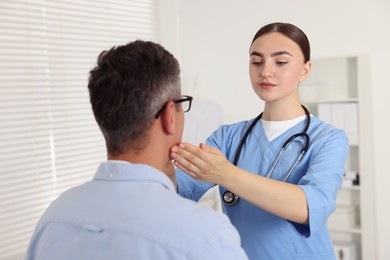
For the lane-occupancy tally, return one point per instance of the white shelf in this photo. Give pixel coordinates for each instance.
(346, 80)
(353, 230)
(353, 188)
(340, 100)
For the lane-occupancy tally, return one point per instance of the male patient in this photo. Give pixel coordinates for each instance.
(130, 210)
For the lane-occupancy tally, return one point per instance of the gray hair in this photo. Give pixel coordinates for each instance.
(128, 86)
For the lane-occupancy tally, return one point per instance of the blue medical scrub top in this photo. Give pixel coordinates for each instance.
(319, 174)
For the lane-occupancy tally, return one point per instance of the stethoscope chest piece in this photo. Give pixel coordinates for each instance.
(230, 198)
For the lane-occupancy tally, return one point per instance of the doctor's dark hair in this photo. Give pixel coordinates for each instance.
(128, 86)
(290, 31)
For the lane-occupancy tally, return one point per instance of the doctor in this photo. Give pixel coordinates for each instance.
(278, 174)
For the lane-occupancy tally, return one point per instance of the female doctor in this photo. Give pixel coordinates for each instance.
(279, 173)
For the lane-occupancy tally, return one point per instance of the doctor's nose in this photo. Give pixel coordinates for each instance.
(266, 70)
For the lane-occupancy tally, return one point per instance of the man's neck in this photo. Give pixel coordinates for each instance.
(155, 157)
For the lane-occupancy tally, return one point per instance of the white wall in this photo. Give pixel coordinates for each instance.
(211, 39)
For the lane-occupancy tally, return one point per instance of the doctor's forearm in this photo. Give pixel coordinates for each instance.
(279, 198)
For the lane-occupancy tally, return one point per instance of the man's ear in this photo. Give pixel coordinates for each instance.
(168, 118)
(305, 71)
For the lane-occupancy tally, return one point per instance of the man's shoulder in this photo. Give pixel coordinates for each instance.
(167, 221)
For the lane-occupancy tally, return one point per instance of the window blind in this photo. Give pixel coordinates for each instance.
(49, 140)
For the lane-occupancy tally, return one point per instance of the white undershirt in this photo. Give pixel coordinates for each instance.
(274, 129)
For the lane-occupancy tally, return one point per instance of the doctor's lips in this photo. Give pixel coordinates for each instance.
(267, 85)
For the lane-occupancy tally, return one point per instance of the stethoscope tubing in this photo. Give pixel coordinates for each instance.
(229, 197)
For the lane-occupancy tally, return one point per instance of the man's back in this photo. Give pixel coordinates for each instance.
(131, 211)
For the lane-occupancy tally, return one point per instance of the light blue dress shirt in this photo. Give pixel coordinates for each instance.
(131, 211)
(319, 174)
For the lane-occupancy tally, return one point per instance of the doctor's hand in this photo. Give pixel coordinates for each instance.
(203, 163)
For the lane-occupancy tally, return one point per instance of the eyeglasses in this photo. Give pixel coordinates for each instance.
(185, 101)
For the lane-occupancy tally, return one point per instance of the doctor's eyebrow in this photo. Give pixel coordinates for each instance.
(278, 53)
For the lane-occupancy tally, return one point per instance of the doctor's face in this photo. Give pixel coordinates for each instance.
(276, 67)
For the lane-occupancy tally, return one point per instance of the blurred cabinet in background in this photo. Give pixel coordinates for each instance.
(338, 91)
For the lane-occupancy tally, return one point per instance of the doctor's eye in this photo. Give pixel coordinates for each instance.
(256, 62)
(281, 63)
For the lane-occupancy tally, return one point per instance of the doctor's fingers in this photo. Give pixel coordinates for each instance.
(209, 149)
(213, 161)
(201, 152)
(188, 168)
(204, 152)
(186, 157)
(194, 171)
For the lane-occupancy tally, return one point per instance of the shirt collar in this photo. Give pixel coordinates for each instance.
(125, 171)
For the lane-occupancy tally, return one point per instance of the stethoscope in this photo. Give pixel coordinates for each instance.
(229, 197)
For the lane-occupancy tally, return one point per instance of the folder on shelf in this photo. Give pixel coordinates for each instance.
(324, 111)
(343, 116)
(351, 122)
